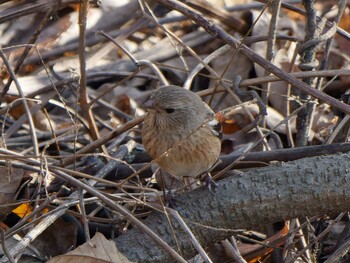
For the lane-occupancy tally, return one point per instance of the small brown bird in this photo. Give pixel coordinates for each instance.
(181, 132)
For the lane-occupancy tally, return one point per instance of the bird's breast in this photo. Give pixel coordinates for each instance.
(184, 154)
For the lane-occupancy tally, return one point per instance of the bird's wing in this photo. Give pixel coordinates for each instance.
(215, 127)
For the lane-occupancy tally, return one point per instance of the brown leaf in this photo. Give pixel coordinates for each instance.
(234, 119)
(40, 120)
(10, 180)
(97, 250)
(57, 239)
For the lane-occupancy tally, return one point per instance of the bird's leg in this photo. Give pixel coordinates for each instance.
(190, 183)
(170, 199)
(210, 183)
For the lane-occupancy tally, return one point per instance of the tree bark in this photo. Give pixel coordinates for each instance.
(252, 199)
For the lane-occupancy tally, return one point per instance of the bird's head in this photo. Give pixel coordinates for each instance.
(176, 106)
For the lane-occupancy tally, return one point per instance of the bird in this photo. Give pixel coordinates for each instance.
(181, 132)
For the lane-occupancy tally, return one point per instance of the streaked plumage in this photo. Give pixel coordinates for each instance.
(181, 132)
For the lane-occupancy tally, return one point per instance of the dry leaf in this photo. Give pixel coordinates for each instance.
(10, 180)
(40, 119)
(98, 249)
(278, 95)
(234, 119)
(57, 239)
(226, 67)
(251, 252)
(23, 210)
(254, 252)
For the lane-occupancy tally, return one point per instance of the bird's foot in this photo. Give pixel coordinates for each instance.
(170, 200)
(210, 183)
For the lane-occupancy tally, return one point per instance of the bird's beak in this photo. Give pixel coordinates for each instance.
(149, 105)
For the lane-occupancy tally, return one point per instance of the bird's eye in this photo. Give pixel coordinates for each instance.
(169, 110)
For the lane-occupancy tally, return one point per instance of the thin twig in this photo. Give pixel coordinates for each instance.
(25, 104)
(29, 237)
(4, 247)
(29, 46)
(342, 5)
(232, 250)
(88, 148)
(308, 63)
(83, 214)
(220, 33)
(13, 230)
(193, 239)
(275, 6)
(86, 110)
(319, 237)
(138, 63)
